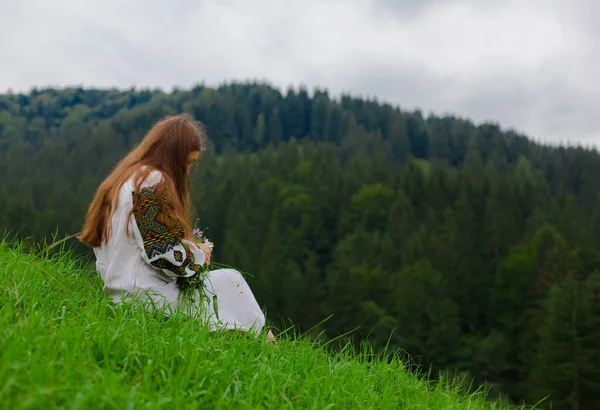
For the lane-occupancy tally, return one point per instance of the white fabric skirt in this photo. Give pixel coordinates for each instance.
(229, 303)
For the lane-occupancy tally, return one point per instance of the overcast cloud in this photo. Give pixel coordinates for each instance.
(530, 65)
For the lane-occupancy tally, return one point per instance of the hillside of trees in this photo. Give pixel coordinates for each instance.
(471, 248)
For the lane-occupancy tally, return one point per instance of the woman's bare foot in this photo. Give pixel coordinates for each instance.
(270, 335)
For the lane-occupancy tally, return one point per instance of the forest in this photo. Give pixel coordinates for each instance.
(470, 248)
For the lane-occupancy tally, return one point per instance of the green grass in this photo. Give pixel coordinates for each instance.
(63, 345)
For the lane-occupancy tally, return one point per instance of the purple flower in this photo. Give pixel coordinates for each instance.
(197, 233)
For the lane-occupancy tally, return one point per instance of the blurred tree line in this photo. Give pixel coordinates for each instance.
(472, 248)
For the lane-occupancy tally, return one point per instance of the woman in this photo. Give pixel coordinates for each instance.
(138, 225)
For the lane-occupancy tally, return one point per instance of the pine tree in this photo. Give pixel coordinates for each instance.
(568, 353)
(259, 130)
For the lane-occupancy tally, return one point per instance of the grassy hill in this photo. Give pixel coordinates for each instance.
(64, 346)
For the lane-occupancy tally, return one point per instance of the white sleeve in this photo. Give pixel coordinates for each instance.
(160, 246)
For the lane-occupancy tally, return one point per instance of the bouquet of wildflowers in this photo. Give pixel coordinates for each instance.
(200, 238)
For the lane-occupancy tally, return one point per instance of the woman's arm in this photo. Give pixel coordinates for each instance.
(161, 246)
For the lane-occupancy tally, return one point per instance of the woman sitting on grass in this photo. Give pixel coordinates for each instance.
(138, 225)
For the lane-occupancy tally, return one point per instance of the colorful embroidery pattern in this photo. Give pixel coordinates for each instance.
(165, 264)
(158, 238)
(181, 269)
(190, 257)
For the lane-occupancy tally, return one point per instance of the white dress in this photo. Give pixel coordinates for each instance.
(145, 264)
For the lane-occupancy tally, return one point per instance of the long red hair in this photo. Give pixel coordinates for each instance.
(166, 148)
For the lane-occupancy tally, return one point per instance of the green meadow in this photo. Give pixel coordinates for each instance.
(64, 345)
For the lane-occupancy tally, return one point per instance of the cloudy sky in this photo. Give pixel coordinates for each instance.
(531, 65)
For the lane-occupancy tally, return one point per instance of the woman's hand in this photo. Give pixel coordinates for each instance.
(207, 251)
